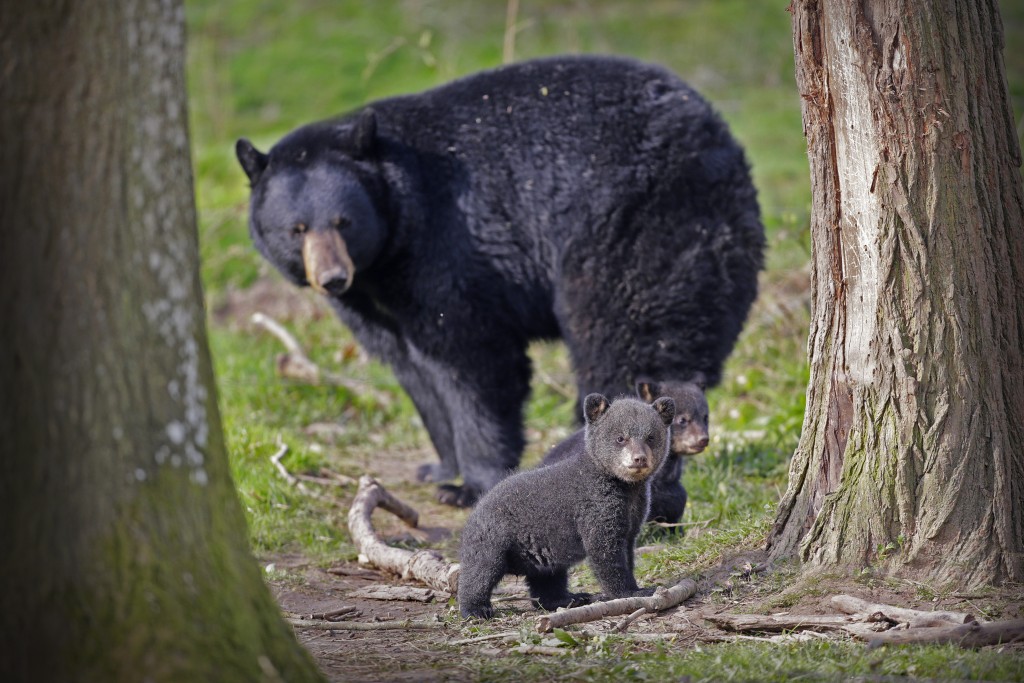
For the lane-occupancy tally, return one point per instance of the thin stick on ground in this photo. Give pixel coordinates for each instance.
(626, 621)
(403, 625)
(288, 476)
(661, 600)
(295, 364)
(480, 639)
(422, 565)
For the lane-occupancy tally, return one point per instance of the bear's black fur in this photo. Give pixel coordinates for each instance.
(539, 523)
(688, 435)
(596, 199)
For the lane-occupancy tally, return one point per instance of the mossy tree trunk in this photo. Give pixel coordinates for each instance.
(125, 553)
(912, 452)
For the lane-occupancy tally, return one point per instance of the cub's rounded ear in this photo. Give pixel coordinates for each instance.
(253, 161)
(364, 136)
(700, 379)
(666, 409)
(594, 407)
(646, 390)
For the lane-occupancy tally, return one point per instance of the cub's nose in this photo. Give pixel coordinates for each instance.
(640, 460)
(702, 442)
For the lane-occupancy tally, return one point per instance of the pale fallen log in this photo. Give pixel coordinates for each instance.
(408, 593)
(899, 615)
(788, 622)
(422, 565)
(295, 364)
(403, 625)
(971, 634)
(662, 599)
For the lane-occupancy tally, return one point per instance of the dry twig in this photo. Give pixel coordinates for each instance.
(626, 621)
(422, 565)
(295, 364)
(288, 476)
(403, 625)
(480, 639)
(662, 599)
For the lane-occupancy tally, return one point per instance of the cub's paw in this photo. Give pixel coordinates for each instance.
(476, 611)
(457, 496)
(568, 600)
(645, 592)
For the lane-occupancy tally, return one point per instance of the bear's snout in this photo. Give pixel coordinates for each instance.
(329, 268)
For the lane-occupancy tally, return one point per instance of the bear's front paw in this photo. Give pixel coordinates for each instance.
(457, 496)
(645, 592)
(568, 601)
(478, 611)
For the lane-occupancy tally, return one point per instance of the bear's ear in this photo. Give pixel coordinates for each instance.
(594, 407)
(666, 409)
(253, 161)
(364, 135)
(646, 390)
(700, 379)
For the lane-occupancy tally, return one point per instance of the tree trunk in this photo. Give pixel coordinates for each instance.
(124, 554)
(912, 451)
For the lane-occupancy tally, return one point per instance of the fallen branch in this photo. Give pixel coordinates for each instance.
(409, 593)
(422, 565)
(970, 634)
(662, 599)
(295, 364)
(345, 611)
(403, 625)
(788, 622)
(899, 615)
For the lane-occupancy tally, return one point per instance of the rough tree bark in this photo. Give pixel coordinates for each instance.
(912, 451)
(124, 546)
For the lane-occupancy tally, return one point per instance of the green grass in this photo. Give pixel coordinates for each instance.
(615, 659)
(258, 68)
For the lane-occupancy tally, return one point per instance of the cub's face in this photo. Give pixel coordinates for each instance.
(311, 214)
(690, 425)
(628, 438)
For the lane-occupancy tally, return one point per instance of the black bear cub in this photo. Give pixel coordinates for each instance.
(541, 522)
(688, 436)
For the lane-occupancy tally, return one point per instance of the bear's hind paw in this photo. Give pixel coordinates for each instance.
(457, 496)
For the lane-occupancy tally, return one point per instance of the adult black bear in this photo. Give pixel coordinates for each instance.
(591, 505)
(595, 199)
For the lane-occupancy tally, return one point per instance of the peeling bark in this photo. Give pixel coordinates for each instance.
(912, 451)
(125, 555)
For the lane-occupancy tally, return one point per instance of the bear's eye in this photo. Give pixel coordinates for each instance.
(298, 229)
(681, 421)
(650, 439)
(620, 440)
(338, 221)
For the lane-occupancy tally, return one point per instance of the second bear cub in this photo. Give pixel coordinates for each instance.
(541, 522)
